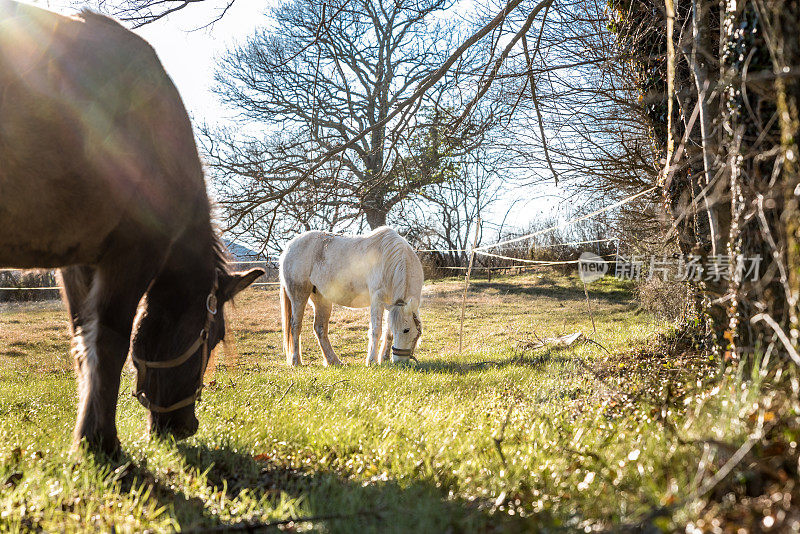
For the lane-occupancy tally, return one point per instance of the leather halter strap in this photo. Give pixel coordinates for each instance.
(200, 343)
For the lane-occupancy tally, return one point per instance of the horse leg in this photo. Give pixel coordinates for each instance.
(322, 317)
(299, 299)
(102, 309)
(375, 325)
(385, 353)
(75, 284)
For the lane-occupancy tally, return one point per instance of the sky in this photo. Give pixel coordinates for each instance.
(189, 53)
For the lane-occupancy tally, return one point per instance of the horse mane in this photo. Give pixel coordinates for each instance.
(394, 250)
(87, 14)
(221, 254)
(395, 315)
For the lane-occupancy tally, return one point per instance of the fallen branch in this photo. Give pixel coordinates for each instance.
(559, 342)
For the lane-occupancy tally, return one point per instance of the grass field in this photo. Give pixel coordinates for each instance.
(501, 438)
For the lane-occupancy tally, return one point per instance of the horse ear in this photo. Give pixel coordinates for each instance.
(413, 304)
(232, 284)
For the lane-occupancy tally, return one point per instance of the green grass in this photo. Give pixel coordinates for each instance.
(500, 438)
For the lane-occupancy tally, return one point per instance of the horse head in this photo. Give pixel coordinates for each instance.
(170, 379)
(406, 328)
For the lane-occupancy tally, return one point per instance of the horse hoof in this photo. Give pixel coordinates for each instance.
(109, 446)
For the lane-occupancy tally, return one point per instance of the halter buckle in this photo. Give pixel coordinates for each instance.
(211, 303)
(142, 398)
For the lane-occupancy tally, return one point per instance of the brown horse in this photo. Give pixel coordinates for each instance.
(99, 175)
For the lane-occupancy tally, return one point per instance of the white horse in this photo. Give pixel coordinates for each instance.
(379, 270)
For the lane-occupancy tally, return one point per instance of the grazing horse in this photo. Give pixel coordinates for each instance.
(379, 270)
(99, 175)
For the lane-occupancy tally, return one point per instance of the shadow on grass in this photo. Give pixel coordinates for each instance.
(130, 475)
(615, 295)
(522, 359)
(339, 504)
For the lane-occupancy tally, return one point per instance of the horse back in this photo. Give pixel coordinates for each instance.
(93, 136)
(335, 266)
(349, 270)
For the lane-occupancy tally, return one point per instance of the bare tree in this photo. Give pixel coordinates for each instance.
(399, 112)
(142, 12)
(441, 218)
(364, 59)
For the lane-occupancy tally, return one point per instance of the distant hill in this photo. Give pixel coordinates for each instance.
(242, 253)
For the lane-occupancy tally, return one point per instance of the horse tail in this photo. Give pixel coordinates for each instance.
(286, 323)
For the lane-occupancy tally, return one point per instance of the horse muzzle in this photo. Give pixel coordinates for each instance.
(402, 355)
(180, 424)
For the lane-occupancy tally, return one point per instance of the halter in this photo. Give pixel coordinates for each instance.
(200, 343)
(409, 353)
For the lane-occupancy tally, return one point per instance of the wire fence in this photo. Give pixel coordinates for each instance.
(36, 285)
(41, 285)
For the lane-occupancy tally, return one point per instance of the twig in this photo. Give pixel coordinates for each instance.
(586, 292)
(535, 99)
(590, 340)
(285, 392)
(670, 8)
(498, 441)
(701, 467)
(540, 340)
(780, 333)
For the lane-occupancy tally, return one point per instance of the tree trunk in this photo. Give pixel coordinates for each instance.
(785, 15)
(756, 192)
(375, 217)
(373, 204)
(755, 202)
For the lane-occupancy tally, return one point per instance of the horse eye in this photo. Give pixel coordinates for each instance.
(407, 330)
